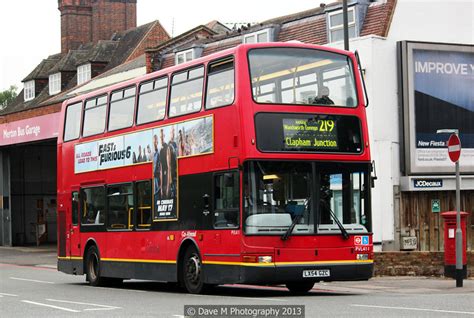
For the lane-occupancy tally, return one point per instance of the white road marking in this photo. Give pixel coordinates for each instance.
(5, 294)
(179, 316)
(46, 266)
(51, 306)
(122, 289)
(32, 280)
(416, 309)
(237, 297)
(103, 307)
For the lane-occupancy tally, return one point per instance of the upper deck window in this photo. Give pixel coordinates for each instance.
(72, 127)
(302, 76)
(186, 92)
(220, 84)
(94, 116)
(152, 100)
(122, 105)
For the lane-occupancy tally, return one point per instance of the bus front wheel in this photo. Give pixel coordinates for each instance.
(192, 271)
(300, 287)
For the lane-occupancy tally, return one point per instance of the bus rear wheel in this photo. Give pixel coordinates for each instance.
(192, 276)
(300, 287)
(93, 267)
(93, 275)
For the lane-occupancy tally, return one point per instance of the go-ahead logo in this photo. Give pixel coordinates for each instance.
(428, 183)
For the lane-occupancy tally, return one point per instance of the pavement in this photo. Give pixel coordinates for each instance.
(46, 256)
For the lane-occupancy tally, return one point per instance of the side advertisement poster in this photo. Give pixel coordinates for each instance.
(161, 146)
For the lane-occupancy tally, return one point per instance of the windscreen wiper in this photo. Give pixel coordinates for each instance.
(344, 233)
(290, 229)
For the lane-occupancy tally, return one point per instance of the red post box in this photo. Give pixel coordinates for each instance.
(450, 243)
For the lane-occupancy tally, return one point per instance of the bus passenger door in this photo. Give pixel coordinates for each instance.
(225, 243)
(74, 233)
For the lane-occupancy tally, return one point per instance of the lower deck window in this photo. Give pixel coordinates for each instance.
(120, 206)
(93, 206)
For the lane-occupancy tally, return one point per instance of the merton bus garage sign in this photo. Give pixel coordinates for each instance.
(31, 129)
(437, 85)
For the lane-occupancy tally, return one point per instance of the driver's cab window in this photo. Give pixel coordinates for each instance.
(226, 200)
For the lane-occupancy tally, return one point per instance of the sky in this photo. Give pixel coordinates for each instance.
(30, 29)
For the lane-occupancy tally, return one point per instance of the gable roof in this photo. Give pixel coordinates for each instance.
(108, 53)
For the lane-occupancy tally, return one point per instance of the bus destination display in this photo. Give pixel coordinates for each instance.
(277, 132)
(310, 134)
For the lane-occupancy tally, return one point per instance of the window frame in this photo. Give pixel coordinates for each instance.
(170, 92)
(54, 83)
(107, 96)
(84, 73)
(348, 58)
(29, 90)
(256, 34)
(167, 88)
(337, 27)
(109, 106)
(206, 84)
(80, 121)
(92, 226)
(131, 221)
(237, 210)
(135, 198)
(183, 53)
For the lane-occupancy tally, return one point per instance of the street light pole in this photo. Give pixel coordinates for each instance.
(346, 25)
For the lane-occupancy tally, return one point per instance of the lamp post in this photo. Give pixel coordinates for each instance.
(346, 25)
(459, 273)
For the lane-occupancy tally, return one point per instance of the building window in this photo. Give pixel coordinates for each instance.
(258, 37)
(83, 73)
(29, 90)
(54, 83)
(184, 56)
(336, 25)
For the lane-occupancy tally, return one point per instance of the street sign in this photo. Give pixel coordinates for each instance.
(454, 147)
(435, 206)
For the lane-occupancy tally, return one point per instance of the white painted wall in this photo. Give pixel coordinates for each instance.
(416, 20)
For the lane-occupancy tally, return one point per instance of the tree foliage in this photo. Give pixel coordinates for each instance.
(7, 96)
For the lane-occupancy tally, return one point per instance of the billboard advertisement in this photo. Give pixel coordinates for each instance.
(161, 146)
(438, 81)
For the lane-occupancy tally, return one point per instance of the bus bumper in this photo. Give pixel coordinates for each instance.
(280, 274)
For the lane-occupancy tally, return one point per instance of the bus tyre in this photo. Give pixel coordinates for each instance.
(192, 277)
(93, 267)
(300, 287)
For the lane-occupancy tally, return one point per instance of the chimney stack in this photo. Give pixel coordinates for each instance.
(84, 21)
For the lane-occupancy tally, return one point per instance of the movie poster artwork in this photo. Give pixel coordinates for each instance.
(190, 138)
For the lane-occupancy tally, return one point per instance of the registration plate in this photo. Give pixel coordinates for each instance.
(317, 273)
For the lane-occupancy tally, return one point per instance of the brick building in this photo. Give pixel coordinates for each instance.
(96, 36)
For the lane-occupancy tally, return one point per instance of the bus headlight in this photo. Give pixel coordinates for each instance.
(265, 259)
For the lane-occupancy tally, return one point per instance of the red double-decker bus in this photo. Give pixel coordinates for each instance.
(251, 165)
